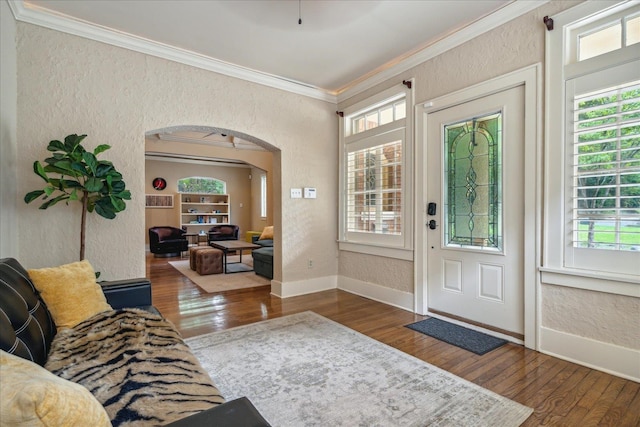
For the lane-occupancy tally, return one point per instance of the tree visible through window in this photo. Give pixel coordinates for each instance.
(199, 184)
(607, 169)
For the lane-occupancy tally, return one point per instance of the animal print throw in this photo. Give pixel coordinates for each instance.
(137, 366)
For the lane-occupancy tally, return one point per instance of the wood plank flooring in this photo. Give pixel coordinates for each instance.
(561, 393)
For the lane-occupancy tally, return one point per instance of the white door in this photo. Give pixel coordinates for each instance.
(475, 177)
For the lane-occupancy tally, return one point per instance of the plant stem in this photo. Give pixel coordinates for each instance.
(85, 196)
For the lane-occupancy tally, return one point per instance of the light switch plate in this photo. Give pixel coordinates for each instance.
(309, 193)
(296, 193)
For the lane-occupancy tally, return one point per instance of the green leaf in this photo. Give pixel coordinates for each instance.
(125, 195)
(69, 183)
(91, 161)
(101, 148)
(64, 165)
(49, 190)
(118, 186)
(74, 195)
(118, 204)
(32, 195)
(79, 167)
(105, 211)
(103, 170)
(93, 184)
(39, 170)
(55, 146)
(53, 201)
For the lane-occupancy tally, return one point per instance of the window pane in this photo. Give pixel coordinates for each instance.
(606, 211)
(473, 200)
(633, 31)
(378, 116)
(374, 182)
(599, 42)
(401, 110)
(386, 115)
(198, 184)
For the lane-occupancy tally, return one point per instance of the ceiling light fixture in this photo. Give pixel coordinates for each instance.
(299, 12)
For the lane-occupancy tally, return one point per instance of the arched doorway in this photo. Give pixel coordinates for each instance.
(237, 158)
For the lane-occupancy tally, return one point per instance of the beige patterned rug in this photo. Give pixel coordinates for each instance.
(213, 283)
(306, 370)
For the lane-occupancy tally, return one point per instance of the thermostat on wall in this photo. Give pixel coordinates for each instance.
(309, 193)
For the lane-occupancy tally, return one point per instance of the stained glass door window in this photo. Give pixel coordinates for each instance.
(473, 183)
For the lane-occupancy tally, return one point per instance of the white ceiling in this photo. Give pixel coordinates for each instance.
(338, 44)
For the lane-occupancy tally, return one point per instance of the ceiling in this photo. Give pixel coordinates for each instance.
(338, 44)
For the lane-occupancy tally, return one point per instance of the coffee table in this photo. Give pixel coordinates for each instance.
(227, 246)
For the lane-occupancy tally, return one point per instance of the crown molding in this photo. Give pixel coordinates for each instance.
(479, 27)
(66, 24)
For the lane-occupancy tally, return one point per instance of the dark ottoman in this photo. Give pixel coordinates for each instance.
(263, 262)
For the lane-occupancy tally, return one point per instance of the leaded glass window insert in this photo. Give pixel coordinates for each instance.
(473, 183)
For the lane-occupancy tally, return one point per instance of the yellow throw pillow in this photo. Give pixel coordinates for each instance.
(267, 233)
(33, 396)
(70, 292)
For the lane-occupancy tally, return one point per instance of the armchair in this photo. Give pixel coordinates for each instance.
(167, 241)
(223, 232)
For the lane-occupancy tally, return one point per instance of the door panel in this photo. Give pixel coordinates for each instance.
(476, 177)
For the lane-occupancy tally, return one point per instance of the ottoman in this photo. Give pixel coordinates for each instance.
(209, 261)
(192, 255)
(263, 261)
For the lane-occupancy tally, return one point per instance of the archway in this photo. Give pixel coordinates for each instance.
(180, 150)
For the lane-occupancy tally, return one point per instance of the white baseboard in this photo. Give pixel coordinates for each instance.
(378, 293)
(613, 359)
(302, 287)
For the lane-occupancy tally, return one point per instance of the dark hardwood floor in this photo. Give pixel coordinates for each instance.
(561, 393)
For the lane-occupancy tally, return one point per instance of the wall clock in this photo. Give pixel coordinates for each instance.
(159, 183)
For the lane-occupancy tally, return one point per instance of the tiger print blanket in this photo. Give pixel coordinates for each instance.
(137, 366)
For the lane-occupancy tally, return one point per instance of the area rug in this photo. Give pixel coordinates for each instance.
(462, 337)
(306, 370)
(212, 283)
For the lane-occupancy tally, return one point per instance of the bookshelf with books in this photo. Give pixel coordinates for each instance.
(198, 212)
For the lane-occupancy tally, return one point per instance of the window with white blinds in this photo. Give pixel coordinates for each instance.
(606, 165)
(375, 215)
(374, 180)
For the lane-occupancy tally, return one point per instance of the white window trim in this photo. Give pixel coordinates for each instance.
(263, 196)
(404, 249)
(558, 70)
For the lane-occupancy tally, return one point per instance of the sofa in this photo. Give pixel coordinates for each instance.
(263, 257)
(165, 241)
(77, 352)
(223, 232)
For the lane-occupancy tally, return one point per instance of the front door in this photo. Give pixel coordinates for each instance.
(475, 187)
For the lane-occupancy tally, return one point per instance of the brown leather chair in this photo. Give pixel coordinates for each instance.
(167, 241)
(223, 232)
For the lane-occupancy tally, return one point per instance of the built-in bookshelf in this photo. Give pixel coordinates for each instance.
(200, 211)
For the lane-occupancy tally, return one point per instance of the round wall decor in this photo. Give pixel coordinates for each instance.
(159, 183)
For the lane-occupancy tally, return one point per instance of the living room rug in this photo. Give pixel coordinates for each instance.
(468, 339)
(212, 283)
(306, 370)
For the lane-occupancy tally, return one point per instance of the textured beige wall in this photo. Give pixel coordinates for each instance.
(603, 317)
(68, 84)
(394, 274)
(8, 141)
(238, 188)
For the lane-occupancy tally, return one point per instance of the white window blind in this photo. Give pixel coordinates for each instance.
(606, 196)
(374, 180)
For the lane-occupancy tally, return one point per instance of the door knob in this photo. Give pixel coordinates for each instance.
(432, 224)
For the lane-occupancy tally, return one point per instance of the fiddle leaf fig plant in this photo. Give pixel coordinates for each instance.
(74, 174)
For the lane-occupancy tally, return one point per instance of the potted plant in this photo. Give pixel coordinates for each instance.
(75, 174)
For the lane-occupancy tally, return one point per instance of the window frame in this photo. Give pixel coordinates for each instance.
(398, 246)
(263, 196)
(559, 264)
